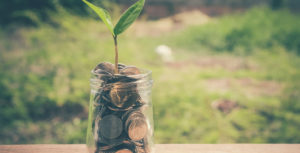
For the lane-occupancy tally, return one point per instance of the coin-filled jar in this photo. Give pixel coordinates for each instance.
(120, 110)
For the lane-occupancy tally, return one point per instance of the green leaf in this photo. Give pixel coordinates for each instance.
(103, 14)
(130, 15)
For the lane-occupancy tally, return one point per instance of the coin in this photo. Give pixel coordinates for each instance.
(136, 126)
(103, 75)
(97, 98)
(105, 66)
(99, 71)
(137, 129)
(104, 147)
(121, 66)
(123, 97)
(130, 70)
(110, 127)
(124, 151)
(124, 78)
(140, 150)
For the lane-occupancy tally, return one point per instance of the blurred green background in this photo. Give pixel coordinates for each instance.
(233, 75)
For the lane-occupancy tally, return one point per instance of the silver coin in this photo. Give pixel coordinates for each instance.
(110, 127)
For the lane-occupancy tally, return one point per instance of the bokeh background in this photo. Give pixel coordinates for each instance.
(225, 71)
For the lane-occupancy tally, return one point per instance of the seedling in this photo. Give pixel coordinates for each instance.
(127, 18)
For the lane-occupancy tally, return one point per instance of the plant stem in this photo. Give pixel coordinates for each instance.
(116, 55)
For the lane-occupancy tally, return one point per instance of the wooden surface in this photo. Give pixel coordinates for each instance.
(163, 148)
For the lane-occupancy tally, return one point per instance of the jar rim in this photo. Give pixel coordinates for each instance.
(145, 73)
(144, 80)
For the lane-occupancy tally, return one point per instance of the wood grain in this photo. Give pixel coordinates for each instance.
(162, 148)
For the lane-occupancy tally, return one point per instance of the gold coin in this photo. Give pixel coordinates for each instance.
(123, 96)
(137, 129)
(136, 125)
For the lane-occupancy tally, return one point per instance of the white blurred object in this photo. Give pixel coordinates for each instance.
(165, 53)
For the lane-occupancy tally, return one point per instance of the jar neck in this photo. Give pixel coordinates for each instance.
(143, 81)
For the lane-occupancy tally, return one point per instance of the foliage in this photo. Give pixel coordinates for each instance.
(128, 17)
(247, 32)
(13, 10)
(44, 79)
(103, 14)
(20, 13)
(276, 4)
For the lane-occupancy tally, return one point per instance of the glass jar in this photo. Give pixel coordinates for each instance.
(120, 114)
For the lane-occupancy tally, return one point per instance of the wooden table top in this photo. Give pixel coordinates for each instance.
(161, 148)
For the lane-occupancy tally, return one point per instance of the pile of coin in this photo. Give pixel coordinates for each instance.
(119, 125)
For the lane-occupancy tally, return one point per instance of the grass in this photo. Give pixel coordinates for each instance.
(240, 58)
